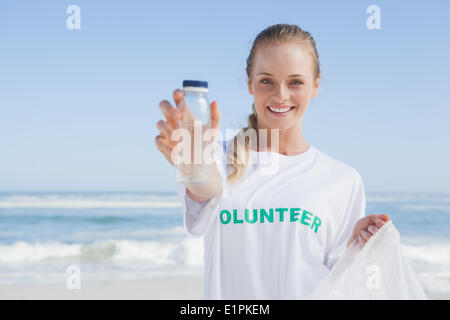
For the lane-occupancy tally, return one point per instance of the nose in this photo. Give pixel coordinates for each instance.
(281, 93)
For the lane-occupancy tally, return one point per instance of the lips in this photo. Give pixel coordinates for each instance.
(279, 106)
(280, 109)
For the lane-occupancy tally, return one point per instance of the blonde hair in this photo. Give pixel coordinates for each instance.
(278, 33)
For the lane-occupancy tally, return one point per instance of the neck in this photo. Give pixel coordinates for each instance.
(289, 142)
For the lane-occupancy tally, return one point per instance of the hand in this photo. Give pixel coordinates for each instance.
(164, 141)
(366, 227)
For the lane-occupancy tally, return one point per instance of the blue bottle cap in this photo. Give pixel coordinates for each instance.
(195, 83)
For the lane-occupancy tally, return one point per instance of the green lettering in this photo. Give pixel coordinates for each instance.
(228, 214)
(264, 214)
(294, 212)
(235, 219)
(281, 211)
(255, 216)
(316, 223)
(306, 215)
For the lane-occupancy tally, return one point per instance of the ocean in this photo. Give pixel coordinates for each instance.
(138, 235)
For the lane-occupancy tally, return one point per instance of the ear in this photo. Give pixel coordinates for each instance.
(316, 86)
(249, 85)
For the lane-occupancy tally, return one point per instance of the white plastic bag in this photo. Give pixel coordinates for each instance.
(378, 270)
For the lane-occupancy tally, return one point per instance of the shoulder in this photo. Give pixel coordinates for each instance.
(344, 187)
(338, 169)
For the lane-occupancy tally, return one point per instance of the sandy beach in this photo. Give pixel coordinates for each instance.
(166, 288)
(158, 288)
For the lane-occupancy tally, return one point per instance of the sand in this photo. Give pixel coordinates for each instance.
(160, 288)
(167, 288)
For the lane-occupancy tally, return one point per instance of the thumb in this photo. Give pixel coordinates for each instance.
(215, 115)
(383, 217)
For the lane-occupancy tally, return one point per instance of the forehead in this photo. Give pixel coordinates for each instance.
(283, 58)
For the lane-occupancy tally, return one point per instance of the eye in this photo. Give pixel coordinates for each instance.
(296, 82)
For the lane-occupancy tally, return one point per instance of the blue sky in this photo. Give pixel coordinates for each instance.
(78, 108)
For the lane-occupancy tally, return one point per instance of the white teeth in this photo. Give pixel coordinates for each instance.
(280, 109)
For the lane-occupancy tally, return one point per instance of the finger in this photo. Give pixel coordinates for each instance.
(162, 145)
(354, 234)
(372, 229)
(379, 223)
(215, 115)
(361, 240)
(186, 113)
(380, 217)
(171, 113)
(174, 154)
(178, 95)
(363, 223)
(350, 241)
(376, 221)
(164, 129)
(365, 234)
(180, 103)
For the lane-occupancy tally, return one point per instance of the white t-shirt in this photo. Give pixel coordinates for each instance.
(279, 231)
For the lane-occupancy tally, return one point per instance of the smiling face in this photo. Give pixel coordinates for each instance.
(282, 77)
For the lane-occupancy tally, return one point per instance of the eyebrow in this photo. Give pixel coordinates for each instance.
(292, 75)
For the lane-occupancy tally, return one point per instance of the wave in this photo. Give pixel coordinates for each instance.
(116, 259)
(186, 251)
(425, 207)
(171, 233)
(431, 254)
(431, 264)
(78, 201)
(149, 200)
(174, 251)
(408, 197)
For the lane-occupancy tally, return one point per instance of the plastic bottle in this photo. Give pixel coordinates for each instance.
(196, 120)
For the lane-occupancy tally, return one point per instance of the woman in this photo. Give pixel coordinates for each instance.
(272, 236)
